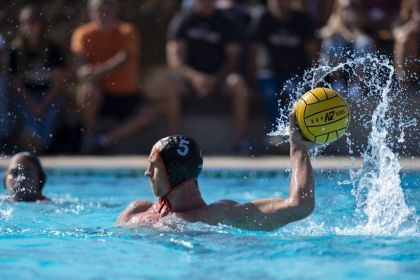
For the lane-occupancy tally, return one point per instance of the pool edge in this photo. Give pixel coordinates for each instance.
(211, 162)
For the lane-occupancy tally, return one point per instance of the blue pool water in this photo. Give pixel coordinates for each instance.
(365, 225)
(74, 238)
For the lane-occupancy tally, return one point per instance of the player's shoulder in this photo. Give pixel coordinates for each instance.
(135, 207)
(138, 206)
(214, 213)
(223, 204)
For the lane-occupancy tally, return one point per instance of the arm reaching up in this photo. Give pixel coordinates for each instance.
(302, 180)
(272, 213)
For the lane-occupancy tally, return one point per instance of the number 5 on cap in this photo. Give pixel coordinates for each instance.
(183, 147)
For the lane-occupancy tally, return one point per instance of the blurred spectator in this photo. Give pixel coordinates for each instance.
(241, 19)
(37, 72)
(318, 10)
(108, 55)
(5, 116)
(406, 49)
(345, 36)
(24, 178)
(203, 48)
(288, 38)
(382, 15)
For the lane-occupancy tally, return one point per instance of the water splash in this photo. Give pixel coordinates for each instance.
(5, 214)
(380, 204)
(377, 185)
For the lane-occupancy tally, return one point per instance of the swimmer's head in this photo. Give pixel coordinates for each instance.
(24, 178)
(182, 158)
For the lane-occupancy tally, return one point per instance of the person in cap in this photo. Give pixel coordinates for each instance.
(25, 178)
(175, 162)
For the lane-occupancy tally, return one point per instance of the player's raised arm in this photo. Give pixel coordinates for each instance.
(302, 181)
(272, 213)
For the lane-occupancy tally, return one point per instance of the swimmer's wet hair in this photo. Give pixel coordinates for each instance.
(35, 160)
(182, 158)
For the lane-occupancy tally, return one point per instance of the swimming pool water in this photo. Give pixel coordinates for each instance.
(74, 238)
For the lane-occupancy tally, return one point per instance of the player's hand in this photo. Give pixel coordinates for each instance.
(295, 136)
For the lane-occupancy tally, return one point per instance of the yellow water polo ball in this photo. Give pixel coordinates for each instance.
(322, 115)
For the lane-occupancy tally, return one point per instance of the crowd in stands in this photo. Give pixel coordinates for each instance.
(241, 51)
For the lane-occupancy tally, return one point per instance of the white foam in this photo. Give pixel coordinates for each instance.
(183, 243)
(6, 214)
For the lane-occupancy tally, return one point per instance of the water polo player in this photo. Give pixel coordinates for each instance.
(175, 162)
(25, 178)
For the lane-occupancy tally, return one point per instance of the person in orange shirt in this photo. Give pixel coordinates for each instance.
(107, 51)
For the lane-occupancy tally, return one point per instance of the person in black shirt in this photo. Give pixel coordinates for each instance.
(37, 72)
(241, 19)
(288, 38)
(203, 49)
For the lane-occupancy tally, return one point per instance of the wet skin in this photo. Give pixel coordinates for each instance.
(262, 214)
(22, 180)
